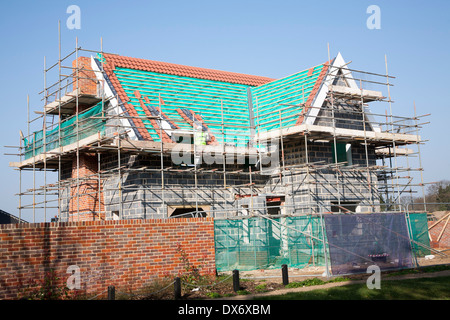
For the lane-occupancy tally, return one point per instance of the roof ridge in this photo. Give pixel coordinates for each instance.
(187, 71)
(303, 70)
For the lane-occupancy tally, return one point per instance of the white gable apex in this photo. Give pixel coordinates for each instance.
(338, 64)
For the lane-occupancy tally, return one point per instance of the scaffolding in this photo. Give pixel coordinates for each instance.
(75, 123)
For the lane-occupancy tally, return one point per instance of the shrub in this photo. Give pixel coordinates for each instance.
(47, 289)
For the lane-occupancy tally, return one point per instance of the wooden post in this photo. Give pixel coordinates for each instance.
(236, 285)
(111, 293)
(177, 288)
(284, 274)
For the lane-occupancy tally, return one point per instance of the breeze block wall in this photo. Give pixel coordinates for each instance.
(142, 196)
(125, 253)
(317, 190)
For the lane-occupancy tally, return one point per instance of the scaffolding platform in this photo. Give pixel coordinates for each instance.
(317, 132)
(68, 103)
(51, 158)
(356, 94)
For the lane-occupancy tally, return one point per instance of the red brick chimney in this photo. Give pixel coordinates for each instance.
(86, 202)
(85, 79)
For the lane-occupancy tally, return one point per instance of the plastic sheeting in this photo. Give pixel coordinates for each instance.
(358, 241)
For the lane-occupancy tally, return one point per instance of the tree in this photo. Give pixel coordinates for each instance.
(438, 192)
(443, 196)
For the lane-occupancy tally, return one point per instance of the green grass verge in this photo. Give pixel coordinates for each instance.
(427, 269)
(314, 282)
(412, 289)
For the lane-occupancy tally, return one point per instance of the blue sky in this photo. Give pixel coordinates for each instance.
(268, 38)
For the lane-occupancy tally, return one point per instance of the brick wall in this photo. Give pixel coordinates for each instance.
(85, 78)
(444, 240)
(125, 253)
(86, 199)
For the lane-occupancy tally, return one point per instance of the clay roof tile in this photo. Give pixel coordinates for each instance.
(187, 71)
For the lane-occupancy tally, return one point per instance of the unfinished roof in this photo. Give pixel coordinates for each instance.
(212, 97)
(159, 101)
(184, 71)
(285, 96)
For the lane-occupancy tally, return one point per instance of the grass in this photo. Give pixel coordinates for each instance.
(429, 269)
(313, 282)
(441, 267)
(242, 292)
(260, 288)
(412, 289)
(213, 295)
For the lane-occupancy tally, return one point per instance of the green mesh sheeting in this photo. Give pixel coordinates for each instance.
(259, 243)
(419, 233)
(87, 126)
(217, 101)
(209, 99)
(283, 96)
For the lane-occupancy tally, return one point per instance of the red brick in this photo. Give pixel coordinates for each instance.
(111, 254)
(444, 240)
(84, 77)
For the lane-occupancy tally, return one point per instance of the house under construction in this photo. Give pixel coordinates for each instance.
(137, 139)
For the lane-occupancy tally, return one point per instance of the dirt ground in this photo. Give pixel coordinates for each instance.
(295, 274)
(272, 278)
(269, 281)
(438, 259)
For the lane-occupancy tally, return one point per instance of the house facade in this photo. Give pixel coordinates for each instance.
(145, 139)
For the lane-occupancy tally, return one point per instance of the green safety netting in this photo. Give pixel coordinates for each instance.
(419, 233)
(89, 123)
(260, 243)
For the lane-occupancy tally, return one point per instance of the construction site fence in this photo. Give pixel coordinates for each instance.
(298, 241)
